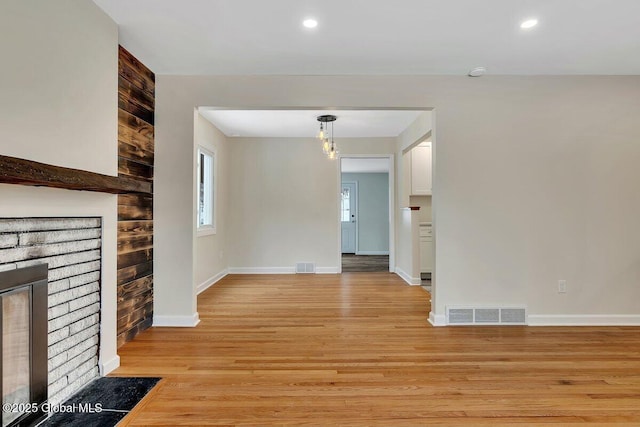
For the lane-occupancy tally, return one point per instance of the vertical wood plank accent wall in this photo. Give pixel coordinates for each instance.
(136, 103)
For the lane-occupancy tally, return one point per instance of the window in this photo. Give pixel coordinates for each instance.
(206, 192)
(345, 206)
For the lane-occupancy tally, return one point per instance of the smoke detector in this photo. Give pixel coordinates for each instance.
(477, 72)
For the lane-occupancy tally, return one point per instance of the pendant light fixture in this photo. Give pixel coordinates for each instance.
(325, 134)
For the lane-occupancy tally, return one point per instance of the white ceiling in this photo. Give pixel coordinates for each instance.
(243, 37)
(364, 165)
(304, 123)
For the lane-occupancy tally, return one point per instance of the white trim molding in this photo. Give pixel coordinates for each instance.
(211, 281)
(584, 320)
(276, 270)
(372, 252)
(176, 321)
(262, 270)
(327, 270)
(109, 366)
(437, 319)
(413, 281)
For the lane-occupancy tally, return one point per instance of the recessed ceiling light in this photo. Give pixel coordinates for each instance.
(310, 23)
(529, 23)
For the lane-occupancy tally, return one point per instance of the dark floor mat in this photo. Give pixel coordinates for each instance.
(103, 403)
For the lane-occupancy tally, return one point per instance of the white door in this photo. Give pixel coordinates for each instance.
(348, 217)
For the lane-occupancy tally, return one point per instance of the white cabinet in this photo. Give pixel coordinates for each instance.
(426, 248)
(421, 170)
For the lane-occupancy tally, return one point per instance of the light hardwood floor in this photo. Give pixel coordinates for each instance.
(356, 350)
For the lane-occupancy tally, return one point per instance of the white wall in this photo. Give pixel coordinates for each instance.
(210, 254)
(424, 203)
(534, 179)
(59, 86)
(416, 131)
(284, 202)
(174, 215)
(407, 259)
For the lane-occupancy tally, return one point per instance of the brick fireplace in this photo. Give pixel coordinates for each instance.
(23, 344)
(71, 247)
(71, 159)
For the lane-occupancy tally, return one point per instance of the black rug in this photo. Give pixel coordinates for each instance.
(103, 403)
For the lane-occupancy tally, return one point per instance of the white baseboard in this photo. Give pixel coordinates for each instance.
(437, 319)
(109, 366)
(564, 320)
(262, 270)
(372, 253)
(584, 320)
(277, 270)
(413, 281)
(176, 321)
(326, 270)
(211, 281)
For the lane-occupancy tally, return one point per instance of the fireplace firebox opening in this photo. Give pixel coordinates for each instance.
(23, 345)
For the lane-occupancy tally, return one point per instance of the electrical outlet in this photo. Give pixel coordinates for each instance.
(562, 286)
(221, 254)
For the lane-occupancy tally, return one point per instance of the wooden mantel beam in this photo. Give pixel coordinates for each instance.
(28, 172)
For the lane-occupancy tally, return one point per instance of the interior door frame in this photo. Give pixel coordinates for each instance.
(392, 218)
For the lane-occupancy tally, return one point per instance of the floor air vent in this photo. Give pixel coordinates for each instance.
(486, 316)
(305, 267)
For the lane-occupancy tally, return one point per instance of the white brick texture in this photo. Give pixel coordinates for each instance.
(71, 248)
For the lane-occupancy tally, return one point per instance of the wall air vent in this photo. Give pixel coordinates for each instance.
(460, 316)
(486, 316)
(516, 316)
(305, 267)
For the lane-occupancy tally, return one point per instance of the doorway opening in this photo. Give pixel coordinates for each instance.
(365, 216)
(288, 151)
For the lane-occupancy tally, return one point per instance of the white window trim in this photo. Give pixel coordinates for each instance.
(207, 229)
